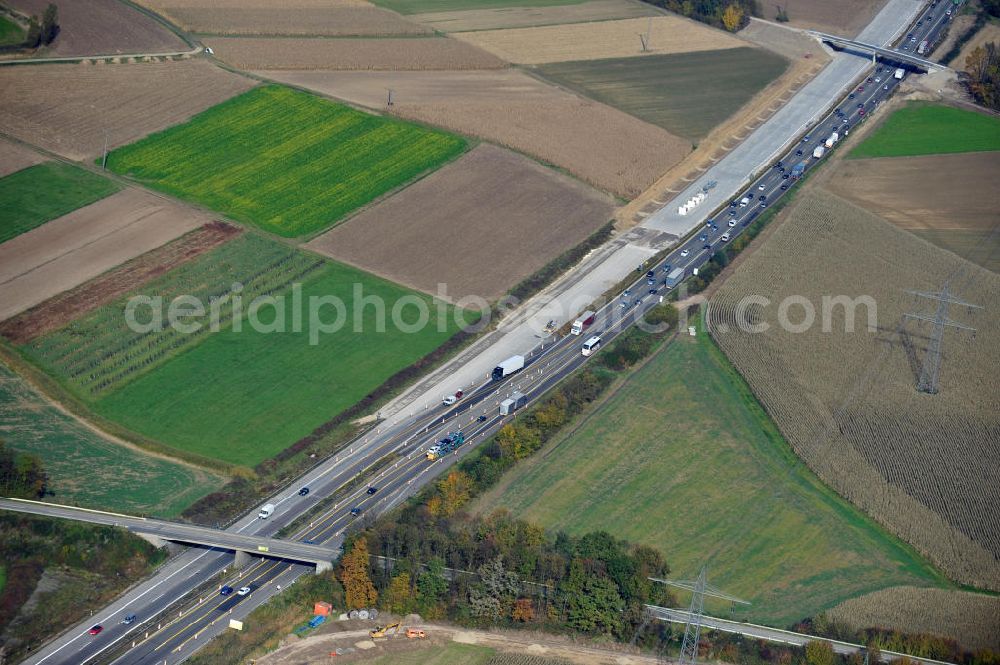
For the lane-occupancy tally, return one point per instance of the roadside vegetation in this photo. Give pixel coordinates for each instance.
(983, 69)
(10, 32)
(287, 161)
(688, 94)
(731, 15)
(35, 195)
(923, 128)
(15, 37)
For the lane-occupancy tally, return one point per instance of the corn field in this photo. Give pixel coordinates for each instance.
(925, 466)
(973, 618)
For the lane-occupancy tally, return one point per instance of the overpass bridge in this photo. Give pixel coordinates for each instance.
(886, 53)
(160, 531)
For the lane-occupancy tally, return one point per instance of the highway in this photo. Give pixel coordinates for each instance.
(179, 608)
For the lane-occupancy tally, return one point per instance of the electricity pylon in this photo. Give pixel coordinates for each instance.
(931, 367)
(699, 588)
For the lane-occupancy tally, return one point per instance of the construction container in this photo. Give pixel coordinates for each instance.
(322, 608)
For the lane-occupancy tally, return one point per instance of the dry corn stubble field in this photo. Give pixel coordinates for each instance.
(330, 20)
(494, 216)
(598, 40)
(975, 617)
(839, 17)
(526, 17)
(127, 101)
(926, 467)
(402, 54)
(603, 146)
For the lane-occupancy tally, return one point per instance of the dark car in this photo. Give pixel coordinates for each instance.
(652, 292)
(128, 620)
(371, 490)
(763, 197)
(732, 204)
(784, 177)
(706, 246)
(651, 273)
(861, 106)
(94, 630)
(798, 152)
(763, 204)
(784, 186)
(666, 267)
(481, 419)
(703, 238)
(851, 96)
(303, 491)
(805, 139)
(356, 510)
(732, 213)
(225, 591)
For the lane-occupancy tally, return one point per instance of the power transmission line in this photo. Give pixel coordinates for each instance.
(931, 367)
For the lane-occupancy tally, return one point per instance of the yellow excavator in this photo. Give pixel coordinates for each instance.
(384, 631)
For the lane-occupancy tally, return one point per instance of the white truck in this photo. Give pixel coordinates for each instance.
(819, 151)
(513, 403)
(508, 367)
(266, 511)
(584, 321)
(900, 73)
(832, 140)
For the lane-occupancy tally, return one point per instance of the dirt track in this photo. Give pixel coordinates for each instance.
(493, 218)
(76, 247)
(601, 145)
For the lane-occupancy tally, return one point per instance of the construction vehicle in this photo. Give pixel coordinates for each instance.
(415, 633)
(384, 631)
(445, 445)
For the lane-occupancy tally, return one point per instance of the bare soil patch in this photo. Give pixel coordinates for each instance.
(14, 157)
(951, 200)
(957, 28)
(837, 17)
(103, 27)
(784, 41)
(85, 243)
(601, 145)
(352, 54)
(332, 20)
(526, 17)
(598, 40)
(128, 102)
(494, 217)
(74, 303)
(988, 33)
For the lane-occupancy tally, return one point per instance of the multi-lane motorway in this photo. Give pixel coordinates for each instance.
(180, 608)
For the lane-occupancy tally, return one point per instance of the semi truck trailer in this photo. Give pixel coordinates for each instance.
(513, 403)
(585, 320)
(508, 367)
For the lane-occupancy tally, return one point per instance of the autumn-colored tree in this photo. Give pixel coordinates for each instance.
(359, 592)
(518, 441)
(399, 596)
(732, 17)
(524, 610)
(454, 489)
(820, 653)
(434, 505)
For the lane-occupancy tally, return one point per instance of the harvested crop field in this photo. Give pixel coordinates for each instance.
(688, 94)
(598, 40)
(496, 18)
(130, 101)
(285, 160)
(14, 157)
(988, 33)
(387, 53)
(973, 619)
(104, 27)
(837, 17)
(927, 467)
(85, 243)
(600, 145)
(86, 468)
(360, 20)
(949, 200)
(493, 216)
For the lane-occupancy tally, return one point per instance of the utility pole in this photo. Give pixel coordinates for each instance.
(388, 100)
(692, 631)
(931, 367)
(104, 159)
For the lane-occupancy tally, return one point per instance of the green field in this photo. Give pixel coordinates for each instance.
(87, 469)
(10, 32)
(239, 396)
(32, 196)
(683, 458)
(289, 162)
(688, 94)
(922, 128)
(421, 6)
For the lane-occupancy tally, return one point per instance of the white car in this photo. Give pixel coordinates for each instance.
(448, 400)
(684, 252)
(761, 187)
(244, 590)
(732, 222)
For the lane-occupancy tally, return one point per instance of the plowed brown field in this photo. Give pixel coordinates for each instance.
(272, 20)
(351, 54)
(74, 303)
(126, 101)
(526, 17)
(493, 218)
(103, 27)
(838, 17)
(599, 40)
(76, 247)
(601, 145)
(14, 157)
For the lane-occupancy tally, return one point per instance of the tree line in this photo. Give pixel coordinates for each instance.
(22, 476)
(40, 32)
(731, 15)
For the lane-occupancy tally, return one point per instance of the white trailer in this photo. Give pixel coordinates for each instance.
(818, 152)
(513, 403)
(508, 367)
(900, 73)
(833, 138)
(585, 320)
